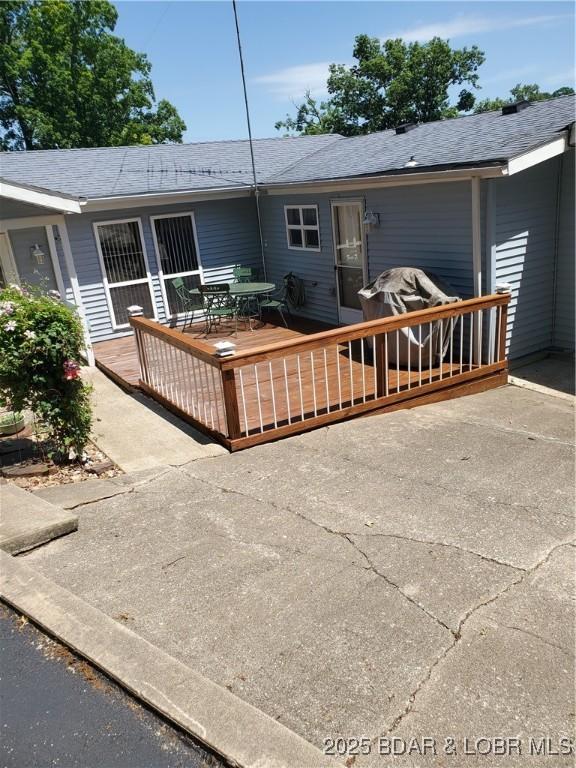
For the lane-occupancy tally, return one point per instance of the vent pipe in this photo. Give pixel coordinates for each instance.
(404, 128)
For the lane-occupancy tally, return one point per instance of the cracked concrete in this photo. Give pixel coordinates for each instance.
(409, 575)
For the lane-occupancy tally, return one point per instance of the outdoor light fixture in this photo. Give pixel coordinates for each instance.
(371, 220)
(412, 163)
(37, 253)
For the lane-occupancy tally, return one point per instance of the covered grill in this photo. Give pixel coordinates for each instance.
(407, 289)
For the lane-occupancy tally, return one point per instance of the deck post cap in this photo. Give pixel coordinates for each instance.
(503, 288)
(135, 310)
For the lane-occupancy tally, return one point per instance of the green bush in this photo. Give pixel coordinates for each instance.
(40, 345)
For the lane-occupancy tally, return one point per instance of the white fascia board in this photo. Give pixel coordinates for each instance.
(538, 155)
(39, 197)
(396, 180)
(167, 198)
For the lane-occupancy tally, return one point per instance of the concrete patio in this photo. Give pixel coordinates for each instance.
(403, 575)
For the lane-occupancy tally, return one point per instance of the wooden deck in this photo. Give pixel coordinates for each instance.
(118, 358)
(275, 392)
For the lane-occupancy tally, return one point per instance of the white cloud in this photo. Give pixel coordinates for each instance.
(462, 26)
(293, 82)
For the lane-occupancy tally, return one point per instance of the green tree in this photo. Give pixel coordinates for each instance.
(67, 81)
(520, 92)
(391, 83)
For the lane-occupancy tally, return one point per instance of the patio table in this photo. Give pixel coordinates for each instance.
(244, 289)
(245, 295)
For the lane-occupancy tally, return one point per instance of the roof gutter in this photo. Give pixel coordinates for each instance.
(161, 198)
(39, 197)
(390, 180)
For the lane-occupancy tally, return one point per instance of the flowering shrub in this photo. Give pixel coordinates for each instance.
(40, 344)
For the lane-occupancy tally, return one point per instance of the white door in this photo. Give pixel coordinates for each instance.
(126, 274)
(177, 256)
(26, 259)
(350, 258)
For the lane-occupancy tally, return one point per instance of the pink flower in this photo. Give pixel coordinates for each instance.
(71, 370)
(10, 325)
(30, 334)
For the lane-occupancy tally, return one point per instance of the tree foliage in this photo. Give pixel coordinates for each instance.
(391, 83)
(520, 92)
(67, 81)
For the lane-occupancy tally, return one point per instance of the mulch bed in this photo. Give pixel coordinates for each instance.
(24, 461)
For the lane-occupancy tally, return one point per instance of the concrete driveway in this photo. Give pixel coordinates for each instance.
(408, 575)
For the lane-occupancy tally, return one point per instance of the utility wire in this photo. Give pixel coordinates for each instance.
(256, 190)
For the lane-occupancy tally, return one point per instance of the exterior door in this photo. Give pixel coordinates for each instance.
(26, 259)
(177, 256)
(126, 274)
(350, 258)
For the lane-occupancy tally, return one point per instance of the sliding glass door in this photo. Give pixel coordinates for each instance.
(176, 247)
(127, 279)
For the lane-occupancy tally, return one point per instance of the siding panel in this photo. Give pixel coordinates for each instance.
(525, 236)
(427, 226)
(564, 320)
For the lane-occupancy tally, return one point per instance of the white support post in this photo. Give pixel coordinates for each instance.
(477, 259)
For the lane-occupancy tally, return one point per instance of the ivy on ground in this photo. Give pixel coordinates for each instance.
(41, 341)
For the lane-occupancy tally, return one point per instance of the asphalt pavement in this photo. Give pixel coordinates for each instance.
(57, 710)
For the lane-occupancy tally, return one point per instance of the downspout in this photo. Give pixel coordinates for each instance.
(256, 190)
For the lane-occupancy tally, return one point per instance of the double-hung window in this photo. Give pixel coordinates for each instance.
(176, 247)
(302, 228)
(126, 273)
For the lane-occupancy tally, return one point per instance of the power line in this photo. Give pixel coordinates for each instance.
(256, 190)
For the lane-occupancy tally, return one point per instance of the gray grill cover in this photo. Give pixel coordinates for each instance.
(407, 289)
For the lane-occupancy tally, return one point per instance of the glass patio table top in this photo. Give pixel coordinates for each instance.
(244, 289)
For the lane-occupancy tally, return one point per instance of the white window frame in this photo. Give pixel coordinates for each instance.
(302, 227)
(162, 277)
(107, 285)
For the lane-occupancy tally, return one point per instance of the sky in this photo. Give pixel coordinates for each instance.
(288, 46)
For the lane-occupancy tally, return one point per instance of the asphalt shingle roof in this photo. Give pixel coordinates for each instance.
(112, 171)
(473, 140)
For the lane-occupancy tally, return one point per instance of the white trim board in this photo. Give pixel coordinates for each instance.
(538, 155)
(42, 198)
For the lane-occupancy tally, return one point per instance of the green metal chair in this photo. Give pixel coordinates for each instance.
(218, 304)
(277, 301)
(187, 301)
(243, 274)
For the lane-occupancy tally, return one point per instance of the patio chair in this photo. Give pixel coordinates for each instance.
(277, 301)
(187, 301)
(243, 274)
(218, 304)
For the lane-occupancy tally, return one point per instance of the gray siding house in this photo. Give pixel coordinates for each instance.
(478, 200)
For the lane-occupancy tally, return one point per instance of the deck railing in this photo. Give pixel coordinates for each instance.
(271, 391)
